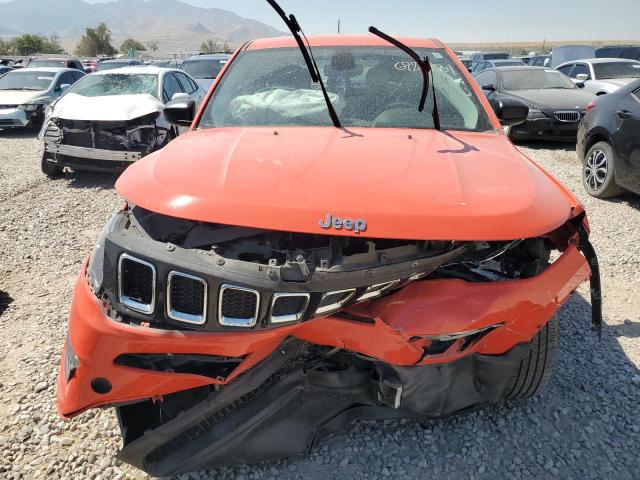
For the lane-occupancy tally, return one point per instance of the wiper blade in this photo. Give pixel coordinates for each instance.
(296, 30)
(425, 67)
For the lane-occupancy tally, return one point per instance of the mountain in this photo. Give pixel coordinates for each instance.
(170, 23)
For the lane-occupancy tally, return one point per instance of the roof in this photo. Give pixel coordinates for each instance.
(600, 60)
(121, 60)
(210, 56)
(136, 70)
(519, 67)
(47, 69)
(342, 41)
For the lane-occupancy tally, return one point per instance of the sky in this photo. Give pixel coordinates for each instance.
(454, 20)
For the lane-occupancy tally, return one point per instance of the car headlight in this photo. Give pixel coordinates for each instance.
(31, 107)
(95, 268)
(535, 114)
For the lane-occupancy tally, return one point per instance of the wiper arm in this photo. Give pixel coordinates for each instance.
(425, 67)
(296, 30)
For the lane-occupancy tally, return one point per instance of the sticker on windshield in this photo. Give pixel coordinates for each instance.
(437, 55)
(635, 66)
(45, 78)
(223, 62)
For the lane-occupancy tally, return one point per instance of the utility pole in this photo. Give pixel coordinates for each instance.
(338, 26)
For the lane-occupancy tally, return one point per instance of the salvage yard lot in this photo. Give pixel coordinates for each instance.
(585, 425)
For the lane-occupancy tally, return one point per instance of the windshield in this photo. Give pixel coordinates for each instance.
(496, 56)
(616, 70)
(26, 80)
(203, 69)
(534, 79)
(43, 62)
(368, 86)
(116, 84)
(112, 65)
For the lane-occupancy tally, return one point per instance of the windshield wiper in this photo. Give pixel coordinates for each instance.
(296, 30)
(425, 67)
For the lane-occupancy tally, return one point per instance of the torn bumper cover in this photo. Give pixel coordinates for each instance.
(109, 144)
(419, 353)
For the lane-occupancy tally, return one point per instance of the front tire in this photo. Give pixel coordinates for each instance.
(598, 172)
(49, 168)
(536, 369)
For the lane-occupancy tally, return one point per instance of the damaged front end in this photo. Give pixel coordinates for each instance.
(103, 145)
(213, 340)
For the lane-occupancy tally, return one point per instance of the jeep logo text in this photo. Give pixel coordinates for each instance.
(339, 223)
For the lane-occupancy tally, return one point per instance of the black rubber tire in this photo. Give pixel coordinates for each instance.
(536, 369)
(609, 188)
(50, 169)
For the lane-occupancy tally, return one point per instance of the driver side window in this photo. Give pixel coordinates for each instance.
(170, 87)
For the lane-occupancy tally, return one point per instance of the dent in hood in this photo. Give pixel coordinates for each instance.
(428, 185)
(107, 108)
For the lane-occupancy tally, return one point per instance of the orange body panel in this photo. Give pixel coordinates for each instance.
(421, 310)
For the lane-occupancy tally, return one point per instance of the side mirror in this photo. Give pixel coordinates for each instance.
(180, 112)
(510, 111)
(489, 87)
(582, 77)
(580, 84)
(64, 87)
(180, 96)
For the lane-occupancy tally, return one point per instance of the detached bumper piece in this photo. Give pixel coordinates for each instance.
(299, 394)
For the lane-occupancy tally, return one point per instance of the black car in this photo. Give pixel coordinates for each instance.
(555, 103)
(609, 143)
(630, 52)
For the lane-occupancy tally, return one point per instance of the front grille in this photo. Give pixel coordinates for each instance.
(136, 284)
(238, 306)
(288, 307)
(333, 301)
(52, 133)
(375, 291)
(568, 116)
(6, 107)
(186, 298)
(7, 122)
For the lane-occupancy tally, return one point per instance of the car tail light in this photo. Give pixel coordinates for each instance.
(591, 106)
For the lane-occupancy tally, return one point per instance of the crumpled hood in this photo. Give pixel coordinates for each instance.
(108, 108)
(18, 97)
(555, 99)
(406, 184)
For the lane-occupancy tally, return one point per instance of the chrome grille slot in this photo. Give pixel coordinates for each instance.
(334, 301)
(136, 284)
(238, 306)
(288, 307)
(375, 291)
(186, 298)
(567, 116)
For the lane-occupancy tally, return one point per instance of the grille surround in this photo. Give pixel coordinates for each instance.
(185, 317)
(567, 116)
(133, 304)
(237, 322)
(293, 317)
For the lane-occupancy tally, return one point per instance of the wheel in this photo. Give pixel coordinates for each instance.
(50, 169)
(536, 368)
(598, 172)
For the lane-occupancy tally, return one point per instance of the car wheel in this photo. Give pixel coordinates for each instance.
(598, 172)
(536, 368)
(50, 169)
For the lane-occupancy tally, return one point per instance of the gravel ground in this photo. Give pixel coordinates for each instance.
(586, 424)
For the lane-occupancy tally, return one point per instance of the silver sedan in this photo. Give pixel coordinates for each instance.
(601, 75)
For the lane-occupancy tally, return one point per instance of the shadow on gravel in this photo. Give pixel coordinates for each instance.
(5, 301)
(546, 145)
(18, 133)
(585, 425)
(91, 180)
(627, 198)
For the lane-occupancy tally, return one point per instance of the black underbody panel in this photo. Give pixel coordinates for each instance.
(298, 395)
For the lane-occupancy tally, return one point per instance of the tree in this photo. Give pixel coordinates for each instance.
(210, 46)
(226, 48)
(95, 42)
(153, 46)
(131, 44)
(28, 44)
(5, 47)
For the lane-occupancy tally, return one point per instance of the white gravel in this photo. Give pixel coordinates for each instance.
(586, 425)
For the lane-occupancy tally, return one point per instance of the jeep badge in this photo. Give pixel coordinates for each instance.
(348, 224)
